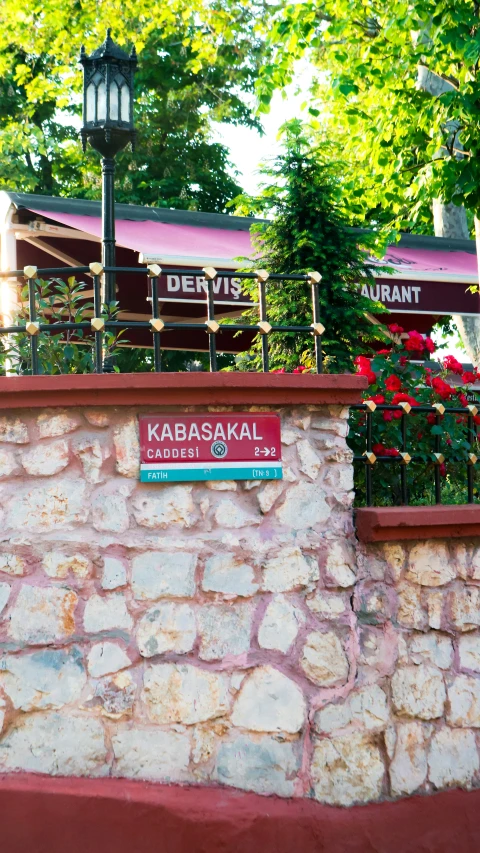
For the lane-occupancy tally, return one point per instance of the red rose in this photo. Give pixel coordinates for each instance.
(431, 418)
(451, 363)
(402, 360)
(388, 416)
(377, 398)
(468, 377)
(280, 370)
(371, 376)
(462, 399)
(395, 329)
(384, 351)
(443, 470)
(429, 345)
(299, 369)
(404, 398)
(443, 389)
(392, 451)
(415, 342)
(378, 449)
(393, 383)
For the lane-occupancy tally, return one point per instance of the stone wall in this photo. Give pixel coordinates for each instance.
(225, 633)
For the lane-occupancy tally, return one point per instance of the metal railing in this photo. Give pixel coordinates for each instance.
(101, 322)
(432, 460)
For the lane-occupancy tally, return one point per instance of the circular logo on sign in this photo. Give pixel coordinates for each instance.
(219, 449)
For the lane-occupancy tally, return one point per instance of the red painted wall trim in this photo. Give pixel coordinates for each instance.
(178, 389)
(46, 815)
(384, 524)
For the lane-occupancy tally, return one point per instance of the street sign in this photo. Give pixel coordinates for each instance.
(234, 446)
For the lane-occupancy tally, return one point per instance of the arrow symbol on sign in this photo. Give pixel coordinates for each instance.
(265, 451)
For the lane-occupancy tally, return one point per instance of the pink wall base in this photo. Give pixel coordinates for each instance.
(53, 815)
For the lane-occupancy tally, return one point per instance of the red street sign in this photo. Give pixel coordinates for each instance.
(212, 446)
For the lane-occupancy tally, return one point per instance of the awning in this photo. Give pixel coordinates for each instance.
(161, 242)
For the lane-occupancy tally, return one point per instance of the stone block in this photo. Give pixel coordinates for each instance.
(114, 573)
(304, 506)
(4, 595)
(105, 658)
(411, 613)
(48, 507)
(464, 702)
(127, 448)
(166, 627)
(290, 569)
(430, 564)
(55, 744)
(109, 512)
(107, 613)
(310, 463)
(113, 696)
(171, 505)
(435, 608)
(280, 625)
(408, 767)
(42, 615)
(347, 769)
(182, 693)
(465, 608)
(50, 678)
(395, 555)
(432, 648)
(56, 564)
(228, 574)
(469, 652)
(13, 430)
(12, 564)
(97, 418)
(91, 455)
(418, 691)
(51, 424)
(8, 463)
(225, 629)
(340, 564)
(328, 605)
(151, 754)
(366, 708)
(221, 485)
(324, 660)
(268, 701)
(452, 758)
(259, 764)
(44, 460)
(156, 574)
(231, 515)
(269, 495)
(339, 427)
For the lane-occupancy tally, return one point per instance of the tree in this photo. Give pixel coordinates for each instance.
(310, 231)
(402, 93)
(198, 64)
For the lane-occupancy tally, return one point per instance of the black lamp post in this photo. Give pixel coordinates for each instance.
(108, 126)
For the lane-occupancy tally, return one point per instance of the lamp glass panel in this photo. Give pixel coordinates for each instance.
(125, 102)
(90, 103)
(102, 102)
(114, 100)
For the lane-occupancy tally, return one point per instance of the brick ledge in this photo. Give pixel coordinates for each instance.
(387, 524)
(127, 389)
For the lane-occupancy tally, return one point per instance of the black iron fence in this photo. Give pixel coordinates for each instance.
(426, 465)
(103, 321)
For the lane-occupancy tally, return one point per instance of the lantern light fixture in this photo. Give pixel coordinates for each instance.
(108, 75)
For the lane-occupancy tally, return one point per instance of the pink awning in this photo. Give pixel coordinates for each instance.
(188, 244)
(163, 242)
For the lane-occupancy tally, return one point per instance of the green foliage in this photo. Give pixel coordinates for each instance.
(197, 64)
(403, 144)
(69, 351)
(310, 231)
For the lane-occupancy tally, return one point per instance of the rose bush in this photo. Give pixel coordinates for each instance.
(399, 375)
